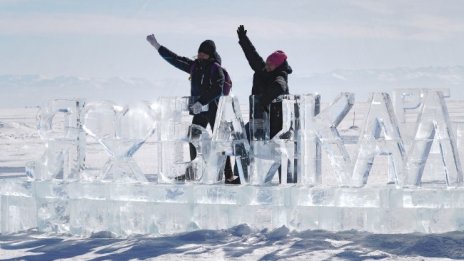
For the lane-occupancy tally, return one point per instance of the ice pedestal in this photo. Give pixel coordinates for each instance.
(378, 210)
(86, 208)
(18, 209)
(53, 206)
(128, 210)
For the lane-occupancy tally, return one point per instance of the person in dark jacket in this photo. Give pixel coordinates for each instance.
(206, 84)
(270, 80)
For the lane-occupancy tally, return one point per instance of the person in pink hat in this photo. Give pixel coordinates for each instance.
(270, 78)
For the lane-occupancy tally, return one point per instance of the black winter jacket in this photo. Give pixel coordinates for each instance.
(206, 82)
(269, 85)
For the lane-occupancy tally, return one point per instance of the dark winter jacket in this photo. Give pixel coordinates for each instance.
(207, 83)
(267, 84)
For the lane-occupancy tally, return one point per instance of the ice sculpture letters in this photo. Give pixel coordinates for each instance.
(281, 177)
(60, 127)
(121, 131)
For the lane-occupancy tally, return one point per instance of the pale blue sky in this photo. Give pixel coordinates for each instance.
(106, 38)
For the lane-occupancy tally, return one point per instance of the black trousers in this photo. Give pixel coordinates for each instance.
(203, 119)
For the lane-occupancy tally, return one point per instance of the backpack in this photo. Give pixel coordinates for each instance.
(227, 80)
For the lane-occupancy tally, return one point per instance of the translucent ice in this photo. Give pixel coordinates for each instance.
(309, 172)
(380, 136)
(407, 100)
(433, 124)
(324, 127)
(229, 139)
(123, 209)
(265, 157)
(286, 138)
(59, 125)
(179, 140)
(200, 138)
(280, 153)
(121, 131)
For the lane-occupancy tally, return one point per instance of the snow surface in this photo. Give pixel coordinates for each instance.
(20, 143)
(237, 243)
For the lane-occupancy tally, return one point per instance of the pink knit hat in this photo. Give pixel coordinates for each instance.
(277, 58)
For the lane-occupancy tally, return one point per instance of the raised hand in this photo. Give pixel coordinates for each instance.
(152, 40)
(241, 31)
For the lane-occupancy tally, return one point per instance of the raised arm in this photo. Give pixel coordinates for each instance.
(254, 59)
(180, 62)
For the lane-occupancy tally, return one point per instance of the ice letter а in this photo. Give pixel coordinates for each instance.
(380, 136)
(433, 124)
(229, 139)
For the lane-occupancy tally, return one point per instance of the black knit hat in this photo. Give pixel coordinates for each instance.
(208, 47)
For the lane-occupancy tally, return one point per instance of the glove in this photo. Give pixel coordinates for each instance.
(241, 31)
(196, 107)
(152, 40)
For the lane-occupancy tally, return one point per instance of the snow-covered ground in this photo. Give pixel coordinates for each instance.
(20, 143)
(237, 243)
